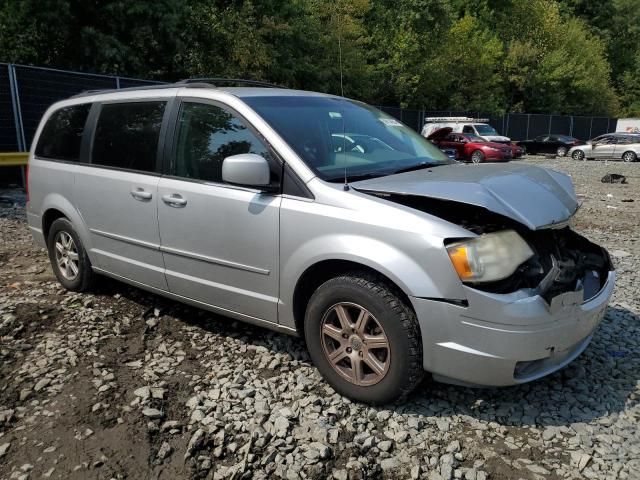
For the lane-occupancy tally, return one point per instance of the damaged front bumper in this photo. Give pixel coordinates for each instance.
(505, 339)
(526, 327)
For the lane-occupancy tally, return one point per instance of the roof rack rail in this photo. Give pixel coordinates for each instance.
(212, 82)
(159, 86)
(215, 81)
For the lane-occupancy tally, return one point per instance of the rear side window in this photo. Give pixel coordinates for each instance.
(468, 129)
(61, 136)
(127, 135)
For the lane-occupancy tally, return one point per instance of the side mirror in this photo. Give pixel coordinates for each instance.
(246, 169)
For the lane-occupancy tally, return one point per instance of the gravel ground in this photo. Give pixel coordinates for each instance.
(121, 383)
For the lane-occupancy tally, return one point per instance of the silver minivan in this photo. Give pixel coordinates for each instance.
(320, 216)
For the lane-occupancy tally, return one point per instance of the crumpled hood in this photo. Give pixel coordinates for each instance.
(534, 196)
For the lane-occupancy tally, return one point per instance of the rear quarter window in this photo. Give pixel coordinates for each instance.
(61, 136)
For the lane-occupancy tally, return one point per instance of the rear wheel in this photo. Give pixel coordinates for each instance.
(364, 339)
(629, 156)
(562, 151)
(477, 156)
(68, 257)
(578, 155)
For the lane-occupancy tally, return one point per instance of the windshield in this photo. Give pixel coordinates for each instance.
(484, 129)
(336, 136)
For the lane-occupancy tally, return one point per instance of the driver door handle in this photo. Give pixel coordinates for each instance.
(174, 200)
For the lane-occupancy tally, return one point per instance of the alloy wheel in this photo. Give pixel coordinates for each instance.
(629, 157)
(66, 254)
(562, 151)
(355, 344)
(578, 155)
(476, 157)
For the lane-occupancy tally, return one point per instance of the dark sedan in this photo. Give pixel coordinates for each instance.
(550, 144)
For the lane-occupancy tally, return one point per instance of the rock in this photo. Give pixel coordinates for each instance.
(152, 413)
(42, 383)
(446, 466)
(538, 469)
(385, 445)
(170, 425)
(401, 436)
(194, 443)
(389, 464)
(453, 447)
(164, 451)
(580, 460)
(415, 472)
(4, 448)
(442, 424)
(142, 392)
(323, 450)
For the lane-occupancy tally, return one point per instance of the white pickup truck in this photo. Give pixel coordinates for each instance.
(475, 126)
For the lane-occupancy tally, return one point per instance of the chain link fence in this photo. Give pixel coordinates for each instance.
(517, 126)
(26, 92)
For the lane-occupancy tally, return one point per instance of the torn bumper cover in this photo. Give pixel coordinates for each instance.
(505, 336)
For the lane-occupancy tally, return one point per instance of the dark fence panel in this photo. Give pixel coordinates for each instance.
(582, 128)
(412, 118)
(39, 88)
(561, 124)
(8, 138)
(600, 126)
(516, 126)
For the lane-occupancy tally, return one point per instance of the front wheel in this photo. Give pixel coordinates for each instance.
(629, 156)
(364, 339)
(562, 151)
(578, 155)
(68, 257)
(477, 156)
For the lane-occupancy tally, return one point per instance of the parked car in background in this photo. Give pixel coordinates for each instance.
(625, 146)
(516, 150)
(550, 144)
(472, 126)
(450, 152)
(470, 147)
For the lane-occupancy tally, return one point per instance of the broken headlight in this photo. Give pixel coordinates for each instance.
(489, 257)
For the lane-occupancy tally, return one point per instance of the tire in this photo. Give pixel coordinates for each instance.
(477, 156)
(562, 151)
(578, 155)
(629, 156)
(63, 243)
(398, 365)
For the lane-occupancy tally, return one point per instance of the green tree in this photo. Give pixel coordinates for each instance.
(470, 60)
(553, 64)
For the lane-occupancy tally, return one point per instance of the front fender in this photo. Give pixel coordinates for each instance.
(410, 276)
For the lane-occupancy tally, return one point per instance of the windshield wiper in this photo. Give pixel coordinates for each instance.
(418, 166)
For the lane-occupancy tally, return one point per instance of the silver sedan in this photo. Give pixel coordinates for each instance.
(623, 146)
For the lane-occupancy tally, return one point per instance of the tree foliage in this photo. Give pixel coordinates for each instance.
(551, 56)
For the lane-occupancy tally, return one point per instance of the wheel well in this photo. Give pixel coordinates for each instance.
(48, 218)
(319, 273)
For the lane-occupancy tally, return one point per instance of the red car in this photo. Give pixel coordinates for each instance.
(471, 147)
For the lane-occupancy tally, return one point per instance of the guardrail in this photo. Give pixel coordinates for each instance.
(14, 159)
